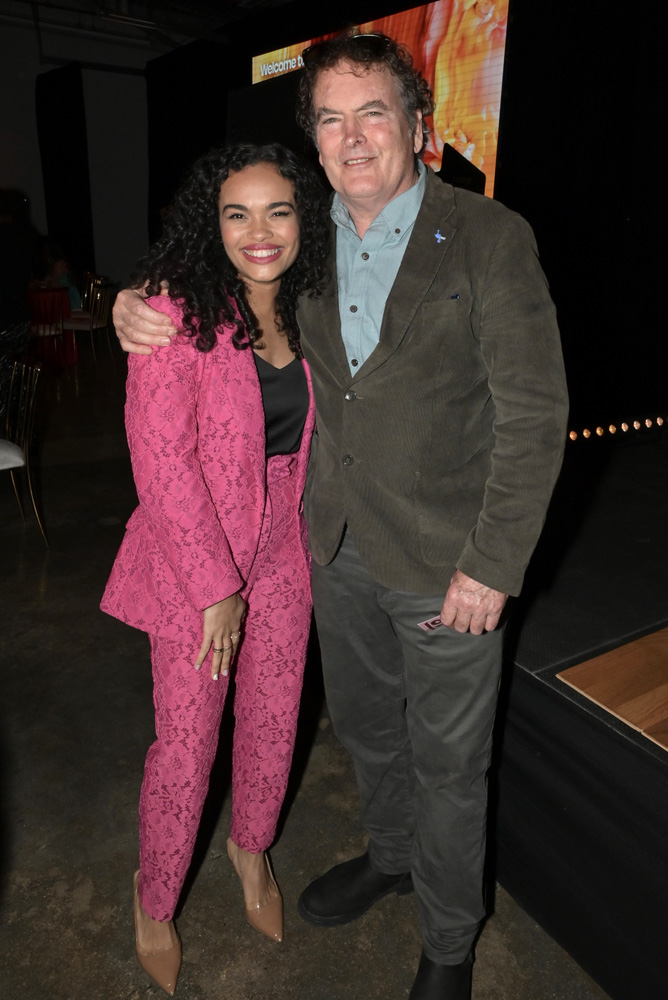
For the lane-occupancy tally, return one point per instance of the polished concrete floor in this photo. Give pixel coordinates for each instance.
(76, 719)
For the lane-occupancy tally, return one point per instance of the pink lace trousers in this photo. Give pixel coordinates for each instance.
(268, 674)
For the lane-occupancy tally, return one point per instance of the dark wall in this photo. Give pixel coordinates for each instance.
(186, 92)
(267, 111)
(61, 127)
(579, 158)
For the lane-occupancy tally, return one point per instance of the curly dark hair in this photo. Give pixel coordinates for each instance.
(365, 51)
(190, 254)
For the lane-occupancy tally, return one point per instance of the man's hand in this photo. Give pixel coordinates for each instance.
(140, 328)
(469, 606)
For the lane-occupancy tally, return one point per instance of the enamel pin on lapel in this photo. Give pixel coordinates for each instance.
(438, 236)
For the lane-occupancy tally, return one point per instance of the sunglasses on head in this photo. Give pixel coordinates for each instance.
(370, 45)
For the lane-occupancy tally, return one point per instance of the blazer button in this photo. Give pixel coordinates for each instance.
(350, 395)
(348, 459)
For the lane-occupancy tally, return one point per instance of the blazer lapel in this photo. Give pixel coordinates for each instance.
(428, 245)
(320, 325)
(241, 392)
(309, 426)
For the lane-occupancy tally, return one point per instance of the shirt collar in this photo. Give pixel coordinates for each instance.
(397, 216)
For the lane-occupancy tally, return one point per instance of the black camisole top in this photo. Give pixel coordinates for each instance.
(285, 401)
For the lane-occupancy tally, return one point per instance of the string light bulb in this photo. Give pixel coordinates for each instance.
(647, 422)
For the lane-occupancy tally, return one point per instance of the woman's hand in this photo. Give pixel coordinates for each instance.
(140, 328)
(222, 630)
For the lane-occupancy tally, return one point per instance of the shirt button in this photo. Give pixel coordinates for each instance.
(350, 395)
(365, 256)
(353, 309)
(354, 362)
(348, 459)
(397, 231)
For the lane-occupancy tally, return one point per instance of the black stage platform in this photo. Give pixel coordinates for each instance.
(580, 800)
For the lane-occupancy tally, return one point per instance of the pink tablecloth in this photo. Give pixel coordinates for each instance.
(47, 306)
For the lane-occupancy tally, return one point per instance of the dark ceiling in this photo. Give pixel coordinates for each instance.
(164, 25)
(160, 23)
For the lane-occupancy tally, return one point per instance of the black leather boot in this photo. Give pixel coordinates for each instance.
(347, 891)
(442, 982)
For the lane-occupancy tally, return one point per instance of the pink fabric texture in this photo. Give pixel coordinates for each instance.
(188, 706)
(214, 518)
(195, 427)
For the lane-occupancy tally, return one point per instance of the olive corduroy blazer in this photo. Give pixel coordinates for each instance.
(443, 449)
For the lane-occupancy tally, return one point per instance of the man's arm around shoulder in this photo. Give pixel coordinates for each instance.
(138, 326)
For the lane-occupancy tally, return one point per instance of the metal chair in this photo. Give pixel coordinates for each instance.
(97, 317)
(88, 282)
(15, 447)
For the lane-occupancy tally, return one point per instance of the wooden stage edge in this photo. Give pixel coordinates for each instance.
(630, 682)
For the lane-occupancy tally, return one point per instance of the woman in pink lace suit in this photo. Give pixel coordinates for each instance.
(214, 564)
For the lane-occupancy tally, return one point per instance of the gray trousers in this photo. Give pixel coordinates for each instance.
(415, 710)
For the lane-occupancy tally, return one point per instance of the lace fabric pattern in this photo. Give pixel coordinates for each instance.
(195, 427)
(188, 706)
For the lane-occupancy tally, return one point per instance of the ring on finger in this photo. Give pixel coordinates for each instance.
(225, 648)
(235, 635)
(220, 650)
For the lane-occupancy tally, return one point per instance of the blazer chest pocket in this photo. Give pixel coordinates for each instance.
(451, 349)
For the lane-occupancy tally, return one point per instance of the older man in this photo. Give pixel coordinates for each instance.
(441, 408)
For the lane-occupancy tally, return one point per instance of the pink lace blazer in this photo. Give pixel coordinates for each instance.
(195, 427)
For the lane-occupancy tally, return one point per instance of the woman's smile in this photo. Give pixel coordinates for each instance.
(258, 222)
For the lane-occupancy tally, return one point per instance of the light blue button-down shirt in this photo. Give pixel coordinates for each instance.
(366, 268)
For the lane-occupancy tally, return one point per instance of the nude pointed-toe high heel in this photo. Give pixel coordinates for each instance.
(163, 965)
(266, 917)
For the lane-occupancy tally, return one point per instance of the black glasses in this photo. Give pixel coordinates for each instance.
(365, 46)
